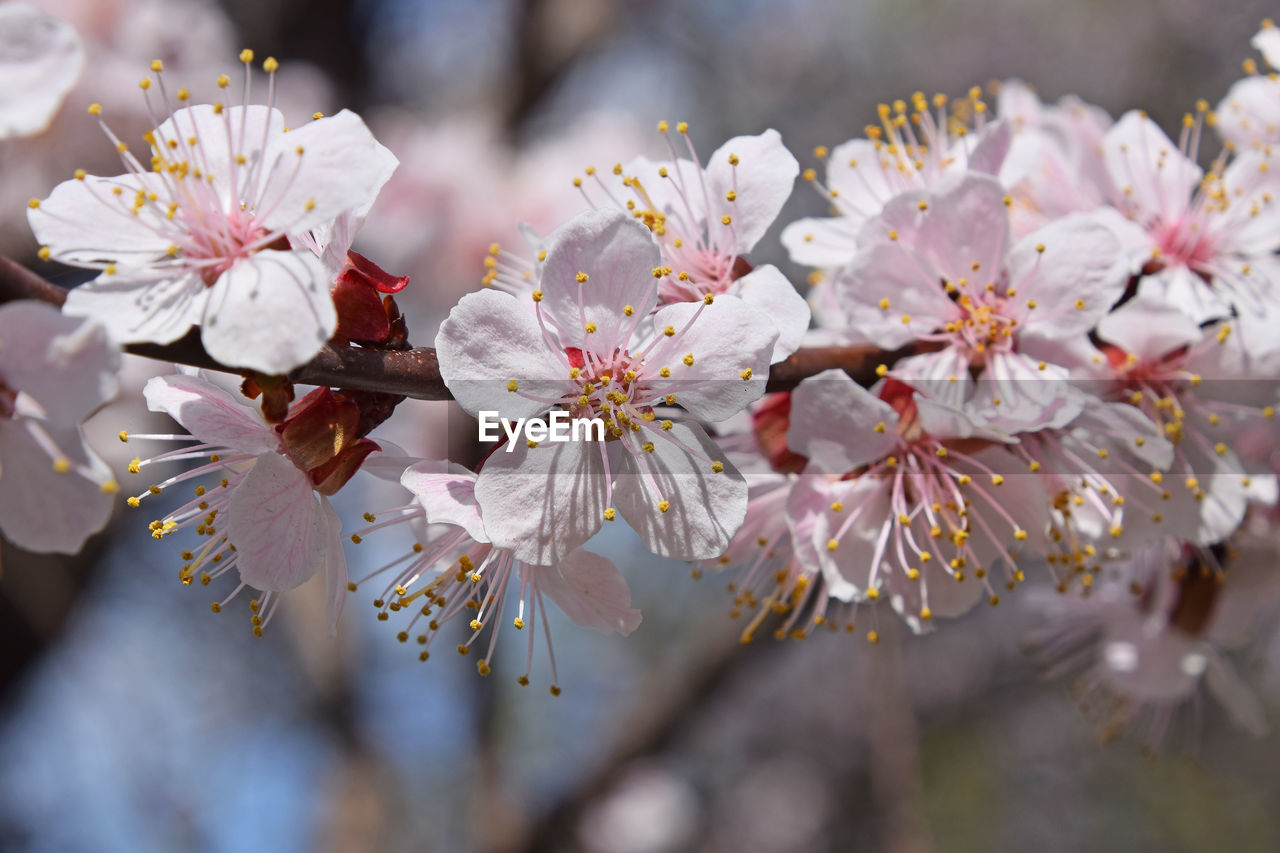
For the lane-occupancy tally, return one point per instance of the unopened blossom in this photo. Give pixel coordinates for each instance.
(54, 372)
(906, 497)
(199, 233)
(913, 149)
(1158, 627)
(591, 348)
(40, 60)
(706, 219)
(1204, 242)
(261, 505)
(947, 273)
(1249, 115)
(453, 571)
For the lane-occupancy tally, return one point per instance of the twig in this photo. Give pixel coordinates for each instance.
(415, 372)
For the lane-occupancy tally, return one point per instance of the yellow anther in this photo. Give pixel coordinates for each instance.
(746, 374)
(246, 56)
(610, 514)
(664, 505)
(717, 466)
(269, 64)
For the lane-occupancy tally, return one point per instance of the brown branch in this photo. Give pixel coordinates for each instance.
(415, 372)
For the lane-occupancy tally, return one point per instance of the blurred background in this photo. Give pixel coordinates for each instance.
(133, 720)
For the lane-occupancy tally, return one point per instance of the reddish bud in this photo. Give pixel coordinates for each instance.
(770, 422)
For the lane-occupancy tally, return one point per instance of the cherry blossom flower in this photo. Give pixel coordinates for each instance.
(910, 151)
(1188, 381)
(40, 60)
(1205, 242)
(948, 274)
(707, 219)
(908, 497)
(262, 505)
(591, 348)
(54, 372)
(457, 571)
(1157, 628)
(203, 237)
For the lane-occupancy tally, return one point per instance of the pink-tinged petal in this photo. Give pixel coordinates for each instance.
(280, 529)
(847, 567)
(42, 510)
(861, 177)
(210, 414)
(84, 222)
(1180, 287)
(389, 462)
(886, 283)
(989, 154)
(221, 138)
(335, 567)
(270, 312)
(590, 590)
(704, 508)
(1152, 174)
(947, 597)
(727, 338)
(941, 376)
(1250, 113)
(1020, 394)
(1018, 102)
(1149, 327)
(838, 425)
(541, 503)
(341, 168)
(489, 341)
(761, 183)
(618, 256)
(1250, 223)
(821, 242)
(1124, 428)
(447, 491)
(67, 364)
(147, 309)
(769, 290)
(42, 60)
(965, 225)
(942, 420)
(1073, 269)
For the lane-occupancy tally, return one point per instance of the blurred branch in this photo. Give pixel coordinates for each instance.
(415, 372)
(648, 730)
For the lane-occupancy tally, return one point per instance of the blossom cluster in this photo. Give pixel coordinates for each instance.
(1066, 319)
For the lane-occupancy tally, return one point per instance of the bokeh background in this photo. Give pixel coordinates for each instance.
(133, 720)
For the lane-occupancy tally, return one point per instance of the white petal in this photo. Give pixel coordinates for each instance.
(887, 282)
(40, 60)
(134, 310)
(618, 256)
(1081, 261)
(590, 590)
(487, 341)
(1250, 113)
(769, 290)
(847, 567)
(270, 312)
(229, 147)
(705, 509)
(542, 503)
(341, 168)
(1152, 173)
(728, 337)
(1267, 42)
(280, 530)
(447, 491)
(335, 567)
(1149, 327)
(40, 509)
(67, 364)
(762, 181)
(84, 222)
(838, 425)
(822, 242)
(965, 225)
(210, 414)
